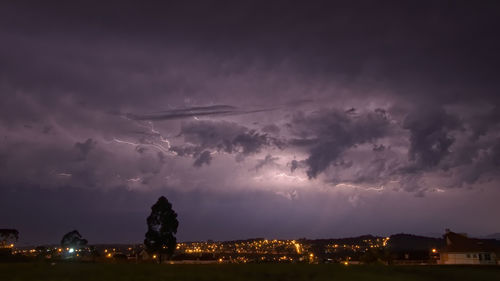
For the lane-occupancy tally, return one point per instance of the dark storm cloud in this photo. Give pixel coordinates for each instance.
(378, 148)
(410, 91)
(449, 47)
(268, 160)
(328, 133)
(221, 136)
(294, 164)
(474, 162)
(430, 140)
(215, 110)
(485, 121)
(204, 158)
(271, 128)
(84, 148)
(431, 50)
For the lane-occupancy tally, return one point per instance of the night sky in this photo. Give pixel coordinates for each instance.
(276, 119)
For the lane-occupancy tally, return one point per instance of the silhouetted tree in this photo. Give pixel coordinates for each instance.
(162, 227)
(73, 239)
(8, 236)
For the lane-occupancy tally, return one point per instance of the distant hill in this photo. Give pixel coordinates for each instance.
(406, 242)
(492, 236)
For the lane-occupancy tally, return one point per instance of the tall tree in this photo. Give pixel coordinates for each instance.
(73, 239)
(162, 227)
(8, 236)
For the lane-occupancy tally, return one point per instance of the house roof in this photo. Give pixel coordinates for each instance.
(456, 242)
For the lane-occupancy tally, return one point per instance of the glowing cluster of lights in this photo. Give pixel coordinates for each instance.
(362, 246)
(262, 246)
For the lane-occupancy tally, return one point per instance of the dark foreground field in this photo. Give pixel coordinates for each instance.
(233, 272)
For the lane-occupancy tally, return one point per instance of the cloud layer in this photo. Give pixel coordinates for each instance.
(286, 100)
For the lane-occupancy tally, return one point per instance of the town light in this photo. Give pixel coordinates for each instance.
(154, 256)
(71, 250)
(434, 251)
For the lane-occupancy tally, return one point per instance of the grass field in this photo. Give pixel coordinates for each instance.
(233, 272)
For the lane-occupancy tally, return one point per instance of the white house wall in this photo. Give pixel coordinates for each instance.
(466, 258)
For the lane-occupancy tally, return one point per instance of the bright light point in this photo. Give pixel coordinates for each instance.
(346, 263)
(135, 179)
(154, 256)
(289, 177)
(375, 188)
(71, 250)
(353, 186)
(434, 250)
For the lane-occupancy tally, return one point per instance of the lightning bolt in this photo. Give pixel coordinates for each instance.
(163, 140)
(157, 146)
